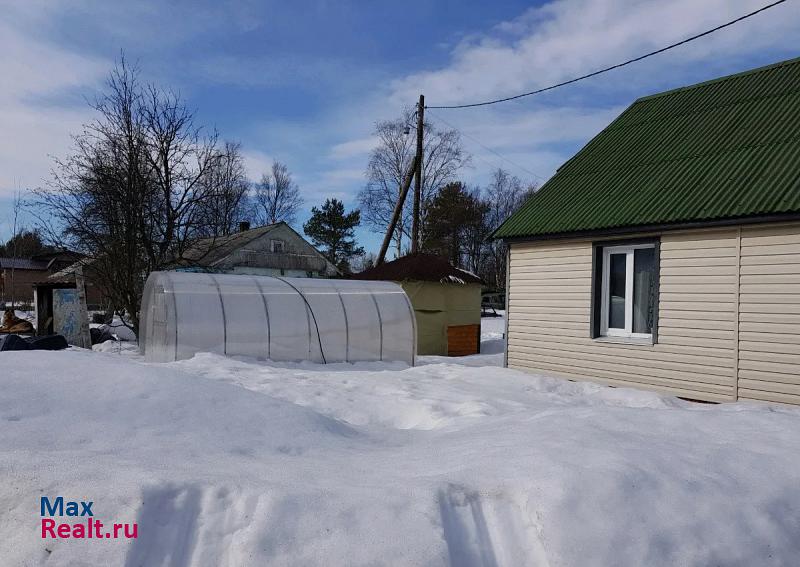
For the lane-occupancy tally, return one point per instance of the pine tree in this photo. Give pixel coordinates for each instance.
(24, 244)
(334, 230)
(455, 225)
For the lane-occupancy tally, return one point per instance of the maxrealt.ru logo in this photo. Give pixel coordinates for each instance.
(88, 527)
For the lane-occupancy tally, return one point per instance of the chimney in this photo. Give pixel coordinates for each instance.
(244, 225)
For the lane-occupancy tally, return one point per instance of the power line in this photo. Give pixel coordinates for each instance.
(485, 147)
(618, 65)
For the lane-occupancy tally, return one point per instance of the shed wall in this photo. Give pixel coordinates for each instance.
(769, 314)
(438, 306)
(729, 315)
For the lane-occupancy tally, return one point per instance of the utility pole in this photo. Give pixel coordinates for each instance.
(418, 176)
(398, 210)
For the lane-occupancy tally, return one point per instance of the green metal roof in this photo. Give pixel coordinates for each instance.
(723, 149)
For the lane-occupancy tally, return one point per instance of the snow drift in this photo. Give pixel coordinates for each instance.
(235, 462)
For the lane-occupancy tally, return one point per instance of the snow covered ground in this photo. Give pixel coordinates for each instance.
(454, 462)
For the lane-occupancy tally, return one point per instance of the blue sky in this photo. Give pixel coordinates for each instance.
(304, 82)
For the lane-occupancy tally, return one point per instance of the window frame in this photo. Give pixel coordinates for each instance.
(281, 244)
(601, 288)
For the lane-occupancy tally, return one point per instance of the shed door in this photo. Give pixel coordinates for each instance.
(463, 340)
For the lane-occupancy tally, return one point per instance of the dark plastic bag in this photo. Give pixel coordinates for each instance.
(48, 342)
(13, 342)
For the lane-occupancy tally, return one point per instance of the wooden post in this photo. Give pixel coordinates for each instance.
(418, 176)
(398, 209)
(83, 312)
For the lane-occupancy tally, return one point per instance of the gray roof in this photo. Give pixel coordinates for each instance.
(22, 264)
(209, 251)
(69, 272)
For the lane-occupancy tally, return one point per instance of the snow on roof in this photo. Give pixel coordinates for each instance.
(69, 271)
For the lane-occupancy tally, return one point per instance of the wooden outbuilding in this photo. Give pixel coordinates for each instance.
(446, 302)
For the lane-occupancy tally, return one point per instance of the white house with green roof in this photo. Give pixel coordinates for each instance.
(666, 253)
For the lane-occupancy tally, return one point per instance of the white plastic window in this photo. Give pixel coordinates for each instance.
(627, 304)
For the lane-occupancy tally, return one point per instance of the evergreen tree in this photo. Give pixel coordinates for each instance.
(24, 244)
(330, 228)
(455, 225)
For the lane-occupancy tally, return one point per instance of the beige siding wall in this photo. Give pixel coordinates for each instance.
(769, 314)
(729, 305)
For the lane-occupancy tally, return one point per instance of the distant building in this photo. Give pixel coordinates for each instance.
(17, 275)
(95, 296)
(271, 250)
(446, 302)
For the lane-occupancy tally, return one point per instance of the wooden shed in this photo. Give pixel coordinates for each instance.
(446, 301)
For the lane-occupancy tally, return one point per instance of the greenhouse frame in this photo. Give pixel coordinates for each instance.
(275, 318)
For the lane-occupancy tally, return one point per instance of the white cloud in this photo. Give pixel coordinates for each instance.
(334, 182)
(34, 125)
(354, 148)
(567, 38)
(327, 149)
(256, 163)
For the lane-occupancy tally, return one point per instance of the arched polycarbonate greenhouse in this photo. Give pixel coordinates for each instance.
(281, 319)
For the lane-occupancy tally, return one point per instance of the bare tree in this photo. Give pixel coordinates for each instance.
(476, 233)
(179, 157)
(226, 187)
(16, 207)
(277, 197)
(132, 194)
(504, 195)
(443, 157)
(362, 262)
(97, 195)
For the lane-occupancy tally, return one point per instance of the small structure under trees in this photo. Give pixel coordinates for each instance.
(446, 301)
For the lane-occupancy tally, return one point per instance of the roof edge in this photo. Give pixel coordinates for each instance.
(661, 227)
(211, 240)
(793, 61)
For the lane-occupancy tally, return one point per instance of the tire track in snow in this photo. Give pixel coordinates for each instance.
(167, 527)
(487, 533)
(183, 526)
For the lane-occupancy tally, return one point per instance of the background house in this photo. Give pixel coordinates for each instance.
(271, 250)
(17, 275)
(446, 302)
(96, 298)
(666, 253)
